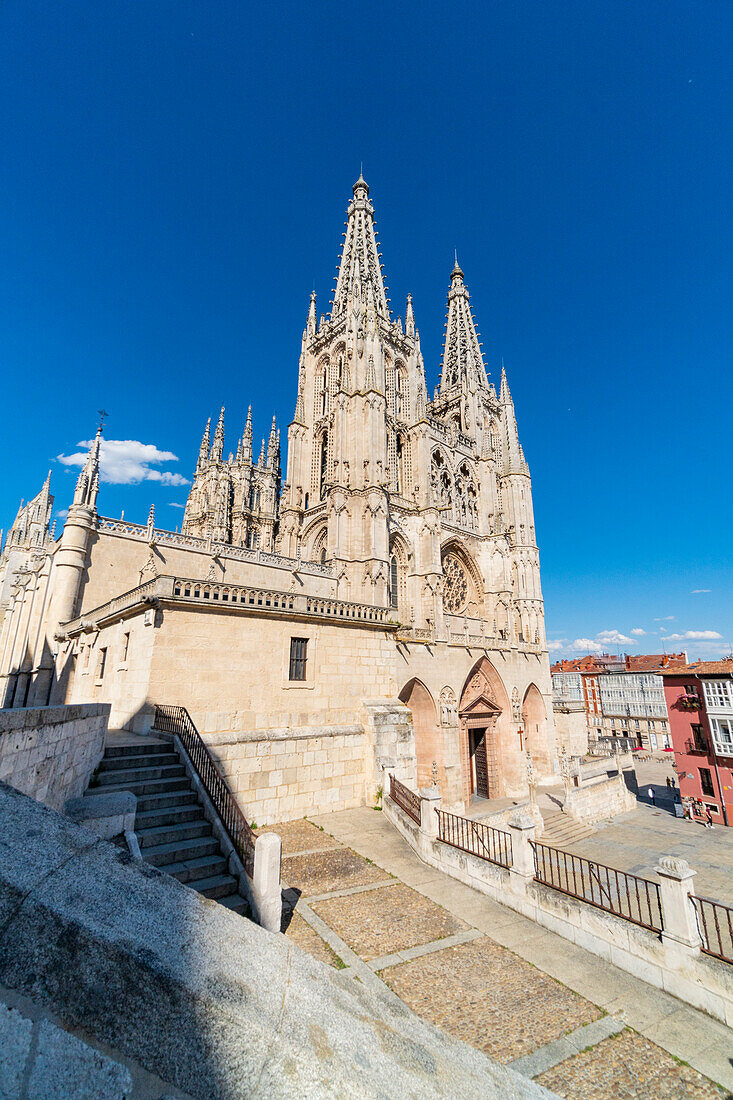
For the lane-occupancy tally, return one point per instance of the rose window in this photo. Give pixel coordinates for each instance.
(455, 589)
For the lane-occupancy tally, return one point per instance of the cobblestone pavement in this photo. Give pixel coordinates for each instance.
(321, 872)
(524, 1008)
(300, 836)
(626, 1067)
(380, 922)
(309, 941)
(468, 976)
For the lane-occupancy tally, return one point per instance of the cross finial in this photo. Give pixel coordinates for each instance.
(102, 415)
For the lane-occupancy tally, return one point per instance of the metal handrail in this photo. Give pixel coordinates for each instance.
(716, 941)
(178, 721)
(628, 896)
(475, 837)
(406, 799)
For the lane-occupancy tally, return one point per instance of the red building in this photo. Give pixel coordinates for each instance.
(700, 705)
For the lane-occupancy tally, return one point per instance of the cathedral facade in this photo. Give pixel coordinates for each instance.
(388, 589)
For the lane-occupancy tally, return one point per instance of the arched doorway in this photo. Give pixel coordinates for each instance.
(428, 747)
(484, 717)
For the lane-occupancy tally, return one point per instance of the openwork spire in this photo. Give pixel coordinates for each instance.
(218, 444)
(87, 485)
(360, 280)
(462, 357)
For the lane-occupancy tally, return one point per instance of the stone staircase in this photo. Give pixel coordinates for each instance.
(170, 825)
(561, 830)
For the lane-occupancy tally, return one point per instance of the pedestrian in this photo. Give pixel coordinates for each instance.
(651, 795)
(668, 783)
(708, 818)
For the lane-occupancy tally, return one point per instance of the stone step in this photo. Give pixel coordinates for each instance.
(191, 869)
(152, 786)
(170, 834)
(180, 852)
(138, 760)
(173, 814)
(167, 800)
(237, 904)
(138, 748)
(218, 886)
(139, 775)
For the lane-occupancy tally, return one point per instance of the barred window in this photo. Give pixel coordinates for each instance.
(298, 651)
(102, 663)
(706, 781)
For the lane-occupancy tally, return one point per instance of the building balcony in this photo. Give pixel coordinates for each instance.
(700, 745)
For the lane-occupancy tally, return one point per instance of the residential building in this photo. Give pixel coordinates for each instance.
(700, 702)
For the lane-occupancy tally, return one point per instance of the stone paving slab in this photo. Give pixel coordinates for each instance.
(323, 872)
(488, 997)
(384, 921)
(300, 836)
(544, 1058)
(627, 1067)
(301, 933)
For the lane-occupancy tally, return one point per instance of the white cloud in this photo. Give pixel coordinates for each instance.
(699, 591)
(638, 631)
(588, 644)
(128, 462)
(556, 645)
(173, 504)
(665, 619)
(61, 513)
(613, 637)
(694, 636)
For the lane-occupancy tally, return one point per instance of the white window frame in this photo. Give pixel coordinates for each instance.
(723, 745)
(718, 694)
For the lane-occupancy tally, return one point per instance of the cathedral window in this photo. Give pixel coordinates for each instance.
(393, 581)
(340, 372)
(324, 391)
(102, 663)
(400, 383)
(399, 466)
(455, 590)
(298, 658)
(125, 646)
(323, 466)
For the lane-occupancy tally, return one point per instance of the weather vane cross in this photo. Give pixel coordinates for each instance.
(102, 414)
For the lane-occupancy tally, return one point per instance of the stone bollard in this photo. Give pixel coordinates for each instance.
(681, 932)
(266, 888)
(522, 831)
(428, 818)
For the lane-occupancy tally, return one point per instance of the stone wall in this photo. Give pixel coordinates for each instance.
(50, 753)
(599, 800)
(571, 727)
(281, 775)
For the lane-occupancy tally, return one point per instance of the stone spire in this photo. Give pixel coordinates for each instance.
(311, 324)
(514, 457)
(463, 361)
(360, 274)
(205, 444)
(218, 444)
(409, 318)
(272, 445)
(87, 485)
(247, 437)
(261, 461)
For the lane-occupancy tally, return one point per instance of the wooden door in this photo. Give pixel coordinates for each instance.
(478, 751)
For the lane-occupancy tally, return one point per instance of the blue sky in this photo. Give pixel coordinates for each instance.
(173, 181)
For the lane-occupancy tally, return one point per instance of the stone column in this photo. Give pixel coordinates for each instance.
(680, 933)
(266, 889)
(428, 817)
(522, 832)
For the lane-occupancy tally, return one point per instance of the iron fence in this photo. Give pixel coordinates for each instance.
(473, 836)
(406, 799)
(625, 895)
(715, 922)
(177, 720)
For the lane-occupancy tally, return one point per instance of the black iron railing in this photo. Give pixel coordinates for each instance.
(625, 895)
(406, 799)
(177, 720)
(715, 922)
(473, 836)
